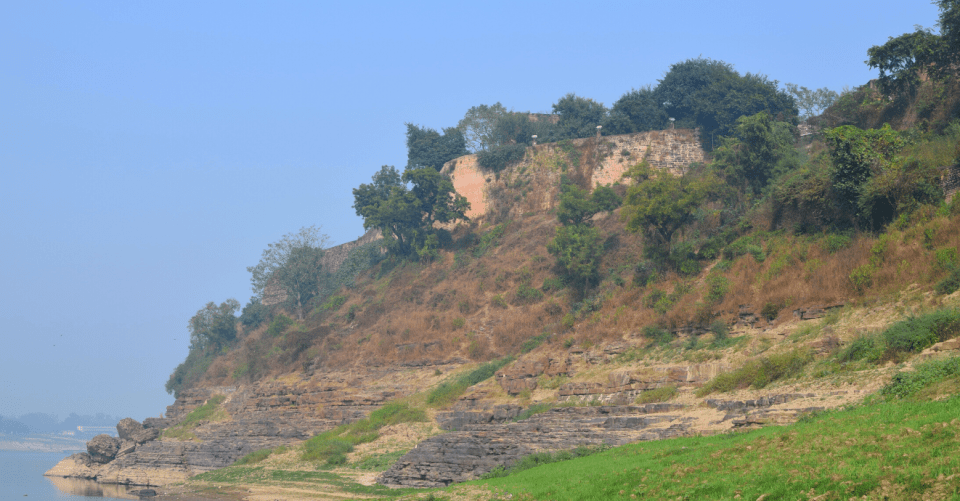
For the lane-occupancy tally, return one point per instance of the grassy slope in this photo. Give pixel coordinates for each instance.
(898, 449)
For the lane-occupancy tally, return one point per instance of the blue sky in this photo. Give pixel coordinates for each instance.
(150, 151)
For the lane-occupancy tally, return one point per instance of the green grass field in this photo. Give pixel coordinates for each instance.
(899, 448)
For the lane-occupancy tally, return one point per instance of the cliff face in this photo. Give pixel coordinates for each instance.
(257, 416)
(602, 161)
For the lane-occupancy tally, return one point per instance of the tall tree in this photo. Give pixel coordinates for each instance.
(428, 148)
(579, 116)
(757, 152)
(712, 95)
(636, 111)
(407, 217)
(811, 102)
(478, 123)
(214, 326)
(301, 253)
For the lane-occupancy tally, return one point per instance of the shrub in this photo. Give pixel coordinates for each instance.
(760, 372)
(458, 323)
(490, 239)
(527, 294)
(333, 303)
(278, 325)
(448, 391)
(912, 335)
(717, 287)
(907, 384)
(657, 334)
(333, 445)
(861, 278)
(951, 283)
(532, 343)
(552, 284)
(946, 258)
(657, 395)
(720, 330)
(500, 157)
(499, 301)
(254, 314)
(834, 243)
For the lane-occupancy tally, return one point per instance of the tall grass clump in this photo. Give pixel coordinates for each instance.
(333, 445)
(448, 391)
(912, 335)
(759, 372)
(924, 375)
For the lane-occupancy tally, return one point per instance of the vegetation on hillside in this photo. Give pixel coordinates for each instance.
(773, 219)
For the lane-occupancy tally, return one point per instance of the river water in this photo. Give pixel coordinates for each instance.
(21, 477)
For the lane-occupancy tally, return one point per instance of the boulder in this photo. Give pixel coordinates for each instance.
(103, 448)
(145, 435)
(127, 427)
(126, 447)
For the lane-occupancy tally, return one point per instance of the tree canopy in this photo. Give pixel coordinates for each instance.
(760, 150)
(407, 217)
(579, 116)
(428, 148)
(477, 125)
(700, 93)
(214, 326)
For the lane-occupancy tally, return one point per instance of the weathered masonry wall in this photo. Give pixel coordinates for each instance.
(607, 159)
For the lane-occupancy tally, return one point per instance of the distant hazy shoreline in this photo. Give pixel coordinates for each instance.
(41, 443)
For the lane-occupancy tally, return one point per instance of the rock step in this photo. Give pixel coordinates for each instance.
(725, 405)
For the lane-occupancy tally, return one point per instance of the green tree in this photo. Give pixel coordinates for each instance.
(712, 95)
(214, 326)
(857, 156)
(760, 150)
(578, 250)
(408, 217)
(579, 116)
(301, 276)
(811, 102)
(478, 124)
(576, 207)
(428, 148)
(277, 254)
(660, 202)
(903, 60)
(636, 111)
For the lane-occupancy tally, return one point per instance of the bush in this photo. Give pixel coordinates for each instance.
(531, 344)
(332, 446)
(458, 322)
(657, 395)
(278, 325)
(333, 303)
(950, 284)
(254, 314)
(527, 294)
(947, 258)
(717, 288)
(834, 243)
(657, 334)
(448, 391)
(912, 335)
(758, 373)
(500, 157)
(907, 384)
(490, 239)
(861, 278)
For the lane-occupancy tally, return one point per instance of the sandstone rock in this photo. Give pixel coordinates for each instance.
(79, 465)
(127, 427)
(145, 435)
(160, 423)
(126, 447)
(103, 448)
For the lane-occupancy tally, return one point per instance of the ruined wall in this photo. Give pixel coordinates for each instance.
(605, 162)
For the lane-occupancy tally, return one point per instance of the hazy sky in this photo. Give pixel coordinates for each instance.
(150, 151)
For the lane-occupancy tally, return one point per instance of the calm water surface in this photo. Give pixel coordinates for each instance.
(21, 477)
